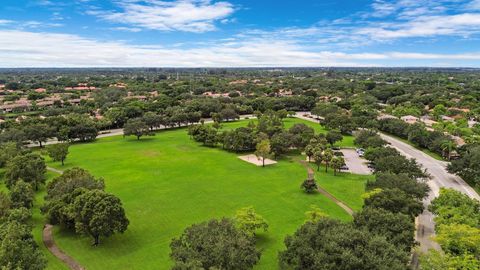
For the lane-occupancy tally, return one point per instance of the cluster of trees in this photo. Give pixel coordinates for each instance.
(268, 136)
(417, 133)
(76, 200)
(468, 165)
(381, 236)
(457, 226)
(24, 171)
(67, 128)
(318, 151)
(387, 159)
(335, 117)
(228, 243)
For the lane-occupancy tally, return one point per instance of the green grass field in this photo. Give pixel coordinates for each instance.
(169, 182)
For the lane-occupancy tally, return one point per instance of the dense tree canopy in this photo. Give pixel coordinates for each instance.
(216, 244)
(330, 244)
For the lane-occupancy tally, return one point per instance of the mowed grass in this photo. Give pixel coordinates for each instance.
(169, 182)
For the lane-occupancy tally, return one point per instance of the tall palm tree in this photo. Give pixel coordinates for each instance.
(447, 147)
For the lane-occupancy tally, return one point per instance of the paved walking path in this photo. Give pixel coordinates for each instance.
(48, 241)
(311, 174)
(54, 170)
(56, 251)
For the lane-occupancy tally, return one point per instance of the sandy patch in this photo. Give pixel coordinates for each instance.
(256, 161)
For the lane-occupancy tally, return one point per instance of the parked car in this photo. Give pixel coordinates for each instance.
(344, 168)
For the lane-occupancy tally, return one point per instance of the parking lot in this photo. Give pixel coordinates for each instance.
(355, 163)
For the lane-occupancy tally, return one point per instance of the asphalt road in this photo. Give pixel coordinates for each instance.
(440, 177)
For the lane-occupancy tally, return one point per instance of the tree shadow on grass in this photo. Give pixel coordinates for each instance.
(143, 139)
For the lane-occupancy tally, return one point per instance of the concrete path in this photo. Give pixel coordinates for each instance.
(355, 163)
(54, 170)
(56, 251)
(311, 174)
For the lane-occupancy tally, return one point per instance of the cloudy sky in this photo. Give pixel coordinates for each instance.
(239, 33)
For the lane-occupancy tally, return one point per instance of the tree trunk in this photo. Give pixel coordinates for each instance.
(138, 138)
(40, 144)
(63, 161)
(334, 172)
(97, 241)
(326, 167)
(263, 162)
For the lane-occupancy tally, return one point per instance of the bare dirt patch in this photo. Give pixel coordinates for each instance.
(256, 161)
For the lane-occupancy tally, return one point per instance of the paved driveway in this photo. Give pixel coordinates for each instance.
(355, 164)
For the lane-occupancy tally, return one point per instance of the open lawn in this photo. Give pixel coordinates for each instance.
(169, 182)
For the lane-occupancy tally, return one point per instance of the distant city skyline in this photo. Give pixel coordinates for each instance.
(239, 33)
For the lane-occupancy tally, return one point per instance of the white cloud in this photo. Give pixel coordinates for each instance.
(127, 29)
(65, 50)
(2, 22)
(426, 26)
(182, 15)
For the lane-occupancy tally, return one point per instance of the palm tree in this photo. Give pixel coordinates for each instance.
(327, 155)
(447, 146)
(337, 163)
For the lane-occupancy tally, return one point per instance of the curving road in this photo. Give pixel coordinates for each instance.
(440, 177)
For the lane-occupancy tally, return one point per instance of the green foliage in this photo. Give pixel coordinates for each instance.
(396, 201)
(7, 152)
(99, 214)
(263, 150)
(280, 143)
(21, 195)
(207, 135)
(5, 205)
(309, 185)
(434, 260)
(468, 166)
(216, 244)
(29, 167)
(399, 165)
(58, 152)
(39, 132)
(397, 228)
(249, 221)
(314, 214)
(62, 192)
(454, 207)
(18, 249)
(334, 136)
(337, 163)
(301, 135)
(330, 244)
(415, 188)
(240, 140)
(368, 138)
(459, 239)
(137, 127)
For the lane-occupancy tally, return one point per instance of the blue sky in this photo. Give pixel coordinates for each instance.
(236, 33)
